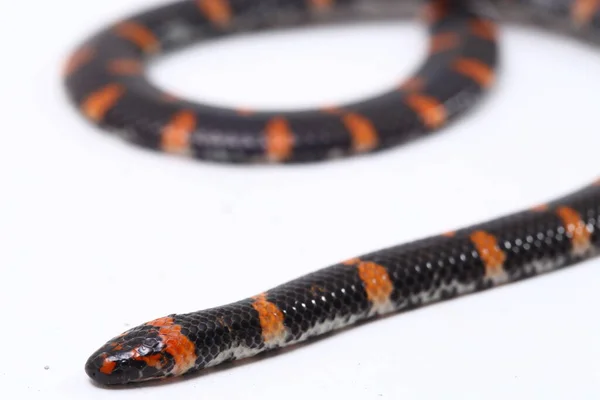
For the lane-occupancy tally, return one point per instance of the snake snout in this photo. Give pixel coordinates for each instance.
(110, 369)
(128, 360)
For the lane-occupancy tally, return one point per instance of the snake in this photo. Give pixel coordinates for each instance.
(106, 82)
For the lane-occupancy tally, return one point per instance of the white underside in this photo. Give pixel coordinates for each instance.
(238, 352)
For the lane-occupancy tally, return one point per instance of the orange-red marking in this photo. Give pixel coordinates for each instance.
(414, 84)
(155, 360)
(484, 29)
(435, 11)
(169, 97)
(492, 256)
(117, 346)
(475, 70)
(78, 59)
(125, 66)
(443, 41)
(271, 319)
(352, 261)
(378, 285)
(138, 34)
(107, 366)
(333, 110)
(176, 135)
(176, 344)
(377, 282)
(216, 11)
(245, 112)
(540, 208)
(321, 5)
(450, 234)
(279, 139)
(361, 129)
(97, 104)
(432, 112)
(364, 135)
(582, 11)
(576, 228)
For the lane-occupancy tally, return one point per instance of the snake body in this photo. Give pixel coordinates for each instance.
(105, 79)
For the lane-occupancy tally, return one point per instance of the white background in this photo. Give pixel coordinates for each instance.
(97, 236)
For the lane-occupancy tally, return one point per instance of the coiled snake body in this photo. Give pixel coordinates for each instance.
(106, 80)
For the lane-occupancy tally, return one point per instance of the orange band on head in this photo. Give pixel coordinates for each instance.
(179, 346)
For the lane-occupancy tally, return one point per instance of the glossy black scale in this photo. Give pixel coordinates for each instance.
(223, 135)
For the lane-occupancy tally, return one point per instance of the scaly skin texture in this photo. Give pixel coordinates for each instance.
(105, 79)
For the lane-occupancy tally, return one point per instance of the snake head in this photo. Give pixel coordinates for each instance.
(151, 351)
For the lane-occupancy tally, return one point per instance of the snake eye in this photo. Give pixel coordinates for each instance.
(144, 350)
(152, 345)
